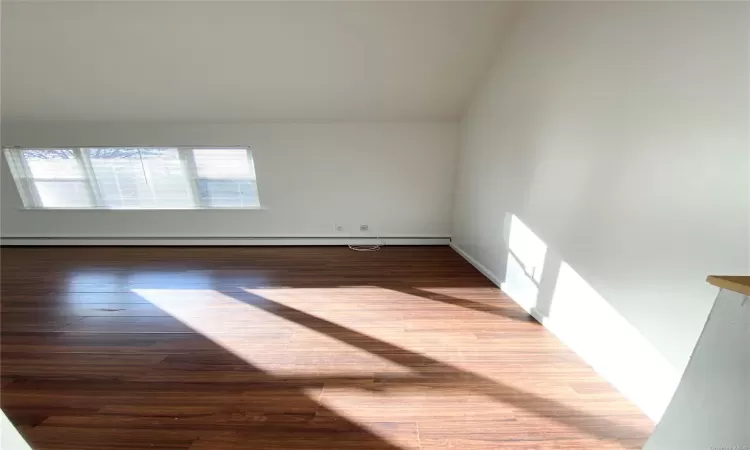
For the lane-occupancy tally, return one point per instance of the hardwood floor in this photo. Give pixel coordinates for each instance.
(287, 348)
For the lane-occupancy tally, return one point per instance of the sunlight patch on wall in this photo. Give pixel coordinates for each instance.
(583, 320)
(548, 288)
(525, 265)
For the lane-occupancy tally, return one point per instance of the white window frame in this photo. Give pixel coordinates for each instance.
(26, 183)
(195, 177)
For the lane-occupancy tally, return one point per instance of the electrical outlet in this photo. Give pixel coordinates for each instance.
(364, 227)
(338, 228)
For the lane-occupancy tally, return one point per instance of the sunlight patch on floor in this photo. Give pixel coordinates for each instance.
(377, 365)
(287, 348)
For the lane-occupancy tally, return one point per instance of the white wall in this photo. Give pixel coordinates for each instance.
(10, 438)
(711, 407)
(397, 178)
(245, 61)
(617, 135)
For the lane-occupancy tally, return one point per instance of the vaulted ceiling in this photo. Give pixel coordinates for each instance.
(244, 61)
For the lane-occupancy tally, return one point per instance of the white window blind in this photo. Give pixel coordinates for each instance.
(135, 178)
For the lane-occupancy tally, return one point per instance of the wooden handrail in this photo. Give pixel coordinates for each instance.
(736, 283)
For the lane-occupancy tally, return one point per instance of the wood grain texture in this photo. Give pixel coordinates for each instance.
(736, 283)
(287, 348)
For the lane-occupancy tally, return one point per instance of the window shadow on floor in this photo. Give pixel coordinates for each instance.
(512, 313)
(163, 381)
(430, 370)
(139, 391)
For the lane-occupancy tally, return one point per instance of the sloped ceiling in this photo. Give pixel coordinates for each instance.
(245, 61)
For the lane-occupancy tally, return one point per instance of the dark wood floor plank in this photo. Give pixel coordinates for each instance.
(287, 348)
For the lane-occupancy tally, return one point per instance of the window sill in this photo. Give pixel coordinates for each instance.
(249, 208)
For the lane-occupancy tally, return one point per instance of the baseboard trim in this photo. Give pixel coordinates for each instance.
(539, 317)
(217, 241)
(477, 265)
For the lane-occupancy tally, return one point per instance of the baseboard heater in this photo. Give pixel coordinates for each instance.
(220, 241)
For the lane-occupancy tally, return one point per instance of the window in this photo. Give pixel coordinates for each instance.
(135, 178)
(224, 178)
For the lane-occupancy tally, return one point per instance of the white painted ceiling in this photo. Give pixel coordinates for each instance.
(245, 61)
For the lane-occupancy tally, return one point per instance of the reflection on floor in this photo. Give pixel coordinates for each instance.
(287, 348)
